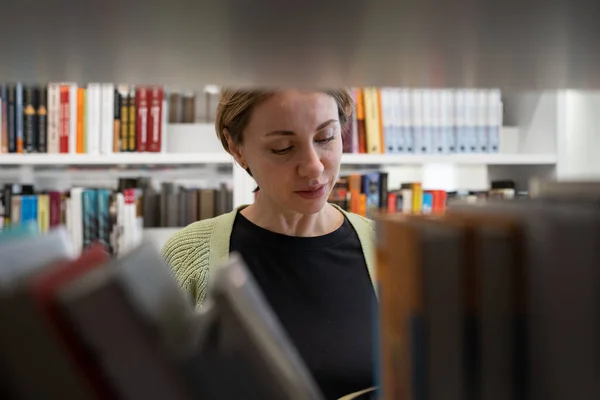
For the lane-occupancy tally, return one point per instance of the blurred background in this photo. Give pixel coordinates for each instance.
(525, 71)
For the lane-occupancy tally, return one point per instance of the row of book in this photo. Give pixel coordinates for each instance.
(97, 118)
(400, 120)
(111, 218)
(368, 194)
(114, 218)
(497, 300)
(178, 206)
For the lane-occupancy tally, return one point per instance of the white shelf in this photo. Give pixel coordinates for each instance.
(465, 159)
(224, 158)
(116, 159)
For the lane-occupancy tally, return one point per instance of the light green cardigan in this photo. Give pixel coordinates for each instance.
(197, 248)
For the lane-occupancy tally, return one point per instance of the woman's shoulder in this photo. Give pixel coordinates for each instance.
(188, 253)
(360, 223)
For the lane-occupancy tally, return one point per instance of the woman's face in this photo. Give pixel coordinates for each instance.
(293, 146)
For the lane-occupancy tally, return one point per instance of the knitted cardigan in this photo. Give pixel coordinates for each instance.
(193, 251)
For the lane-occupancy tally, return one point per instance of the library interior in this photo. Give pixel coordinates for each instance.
(263, 188)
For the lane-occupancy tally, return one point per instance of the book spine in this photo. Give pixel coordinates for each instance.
(80, 142)
(53, 118)
(124, 105)
(4, 131)
(107, 116)
(93, 98)
(64, 119)
(131, 133)
(42, 120)
(155, 122)
(117, 122)
(43, 213)
(141, 98)
(56, 211)
(19, 117)
(29, 122)
(12, 138)
(73, 115)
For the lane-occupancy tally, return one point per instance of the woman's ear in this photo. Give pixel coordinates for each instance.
(234, 149)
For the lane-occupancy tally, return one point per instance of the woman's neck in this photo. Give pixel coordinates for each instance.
(269, 216)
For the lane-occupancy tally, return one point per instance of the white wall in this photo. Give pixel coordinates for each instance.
(579, 135)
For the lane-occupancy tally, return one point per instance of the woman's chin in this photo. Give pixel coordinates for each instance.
(309, 206)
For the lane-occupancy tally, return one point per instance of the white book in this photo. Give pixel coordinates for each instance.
(494, 119)
(121, 225)
(107, 126)
(438, 142)
(447, 120)
(405, 138)
(53, 139)
(93, 100)
(427, 131)
(395, 116)
(471, 120)
(481, 126)
(416, 113)
(386, 115)
(76, 206)
(163, 128)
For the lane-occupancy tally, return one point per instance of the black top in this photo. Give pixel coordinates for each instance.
(320, 289)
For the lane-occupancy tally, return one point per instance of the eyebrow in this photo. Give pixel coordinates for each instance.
(291, 133)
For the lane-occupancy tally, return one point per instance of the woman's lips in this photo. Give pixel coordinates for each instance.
(313, 193)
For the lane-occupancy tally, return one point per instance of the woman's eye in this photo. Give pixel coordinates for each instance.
(281, 151)
(327, 140)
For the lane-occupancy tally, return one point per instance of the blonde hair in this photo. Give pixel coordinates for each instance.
(235, 108)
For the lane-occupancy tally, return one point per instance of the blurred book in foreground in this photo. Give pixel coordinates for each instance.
(90, 326)
(497, 300)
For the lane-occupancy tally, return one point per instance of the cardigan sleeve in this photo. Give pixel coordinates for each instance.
(187, 252)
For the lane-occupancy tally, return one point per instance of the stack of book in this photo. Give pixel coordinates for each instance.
(88, 326)
(497, 300)
(424, 121)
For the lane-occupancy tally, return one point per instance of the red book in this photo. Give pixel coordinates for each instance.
(64, 119)
(141, 99)
(44, 289)
(391, 204)
(55, 209)
(155, 133)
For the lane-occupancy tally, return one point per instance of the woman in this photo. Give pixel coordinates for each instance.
(312, 260)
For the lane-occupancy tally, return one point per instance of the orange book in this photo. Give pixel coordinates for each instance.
(360, 121)
(80, 143)
(354, 182)
(362, 204)
(381, 133)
